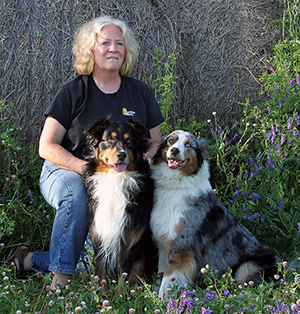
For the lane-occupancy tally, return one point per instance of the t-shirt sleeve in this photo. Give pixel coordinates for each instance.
(62, 107)
(155, 116)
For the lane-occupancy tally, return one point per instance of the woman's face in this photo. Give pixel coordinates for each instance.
(109, 52)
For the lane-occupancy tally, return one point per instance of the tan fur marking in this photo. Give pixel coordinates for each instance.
(135, 237)
(184, 262)
(114, 134)
(191, 166)
(126, 136)
(179, 227)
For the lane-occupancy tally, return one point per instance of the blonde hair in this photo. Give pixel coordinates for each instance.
(85, 41)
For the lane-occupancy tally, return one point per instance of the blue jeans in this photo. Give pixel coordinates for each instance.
(64, 191)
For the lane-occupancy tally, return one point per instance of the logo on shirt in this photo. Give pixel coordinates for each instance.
(128, 113)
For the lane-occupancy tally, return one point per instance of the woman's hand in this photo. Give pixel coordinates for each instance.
(50, 147)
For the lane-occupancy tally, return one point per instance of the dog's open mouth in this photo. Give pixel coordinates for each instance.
(120, 167)
(174, 163)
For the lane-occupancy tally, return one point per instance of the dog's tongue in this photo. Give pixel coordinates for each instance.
(173, 163)
(120, 167)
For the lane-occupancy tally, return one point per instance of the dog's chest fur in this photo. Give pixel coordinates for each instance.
(111, 195)
(172, 189)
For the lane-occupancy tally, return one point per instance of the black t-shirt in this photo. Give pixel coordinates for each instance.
(80, 102)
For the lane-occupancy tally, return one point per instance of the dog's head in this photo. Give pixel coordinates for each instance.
(116, 145)
(183, 151)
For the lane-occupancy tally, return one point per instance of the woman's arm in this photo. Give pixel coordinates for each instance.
(50, 147)
(154, 142)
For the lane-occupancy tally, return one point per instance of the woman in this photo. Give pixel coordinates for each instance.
(105, 51)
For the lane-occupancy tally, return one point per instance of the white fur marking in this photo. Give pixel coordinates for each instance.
(112, 191)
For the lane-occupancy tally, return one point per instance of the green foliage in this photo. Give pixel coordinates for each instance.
(25, 217)
(163, 81)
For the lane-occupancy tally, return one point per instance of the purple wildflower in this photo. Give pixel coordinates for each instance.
(246, 175)
(297, 118)
(280, 102)
(292, 83)
(263, 219)
(206, 311)
(298, 80)
(287, 96)
(212, 132)
(268, 95)
(234, 138)
(245, 209)
(171, 305)
(255, 196)
(299, 226)
(290, 121)
(296, 133)
(280, 204)
(269, 111)
(210, 296)
(251, 161)
(220, 131)
(226, 292)
(282, 139)
(257, 168)
(226, 141)
(279, 306)
(254, 216)
(244, 193)
(187, 301)
(277, 146)
(275, 86)
(30, 195)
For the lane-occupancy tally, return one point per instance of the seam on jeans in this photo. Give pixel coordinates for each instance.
(67, 217)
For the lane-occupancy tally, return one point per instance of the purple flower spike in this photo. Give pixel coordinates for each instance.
(255, 196)
(282, 139)
(290, 121)
(298, 80)
(292, 83)
(280, 102)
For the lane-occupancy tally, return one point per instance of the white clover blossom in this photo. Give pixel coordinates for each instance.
(214, 113)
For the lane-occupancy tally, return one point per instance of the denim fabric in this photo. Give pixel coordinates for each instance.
(64, 191)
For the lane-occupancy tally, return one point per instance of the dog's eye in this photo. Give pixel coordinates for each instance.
(110, 140)
(128, 141)
(171, 141)
(188, 145)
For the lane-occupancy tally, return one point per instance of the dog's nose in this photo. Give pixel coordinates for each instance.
(121, 155)
(174, 151)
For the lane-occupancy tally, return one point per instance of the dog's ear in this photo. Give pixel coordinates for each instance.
(141, 132)
(202, 150)
(160, 155)
(95, 130)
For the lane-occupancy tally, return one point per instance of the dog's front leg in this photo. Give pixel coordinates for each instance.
(180, 269)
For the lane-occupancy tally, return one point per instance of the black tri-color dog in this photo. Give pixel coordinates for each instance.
(120, 198)
(191, 226)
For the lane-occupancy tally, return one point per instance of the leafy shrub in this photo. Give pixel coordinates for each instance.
(25, 217)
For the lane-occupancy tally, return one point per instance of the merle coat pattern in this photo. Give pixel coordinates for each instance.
(191, 226)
